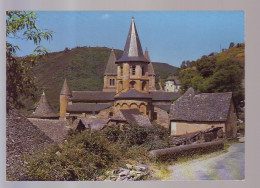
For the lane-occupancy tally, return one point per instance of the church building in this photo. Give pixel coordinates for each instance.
(129, 83)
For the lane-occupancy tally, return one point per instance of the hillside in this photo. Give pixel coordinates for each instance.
(222, 72)
(82, 66)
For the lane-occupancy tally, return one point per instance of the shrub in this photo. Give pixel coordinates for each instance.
(84, 157)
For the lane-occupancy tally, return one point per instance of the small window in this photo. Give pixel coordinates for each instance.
(143, 72)
(155, 115)
(133, 70)
(121, 70)
(110, 114)
(112, 82)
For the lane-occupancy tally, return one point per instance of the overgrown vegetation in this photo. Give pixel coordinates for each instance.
(87, 155)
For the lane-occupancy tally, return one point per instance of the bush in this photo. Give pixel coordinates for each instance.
(84, 157)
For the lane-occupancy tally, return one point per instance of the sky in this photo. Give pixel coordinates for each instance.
(170, 36)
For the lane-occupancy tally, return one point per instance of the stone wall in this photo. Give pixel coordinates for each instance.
(231, 124)
(189, 127)
(162, 117)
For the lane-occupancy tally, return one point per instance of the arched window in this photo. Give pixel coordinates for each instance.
(144, 86)
(132, 84)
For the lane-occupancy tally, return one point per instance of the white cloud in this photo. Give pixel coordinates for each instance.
(105, 16)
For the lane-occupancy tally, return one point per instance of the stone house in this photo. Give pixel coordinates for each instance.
(172, 84)
(197, 112)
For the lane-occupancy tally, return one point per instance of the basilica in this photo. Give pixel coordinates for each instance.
(129, 90)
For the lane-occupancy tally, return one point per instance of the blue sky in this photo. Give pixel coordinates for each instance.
(170, 36)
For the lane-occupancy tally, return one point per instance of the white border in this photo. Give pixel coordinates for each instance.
(251, 8)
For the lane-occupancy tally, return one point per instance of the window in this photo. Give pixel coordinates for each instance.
(110, 114)
(121, 70)
(133, 70)
(155, 115)
(143, 72)
(112, 82)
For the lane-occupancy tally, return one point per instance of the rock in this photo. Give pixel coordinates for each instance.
(130, 167)
(124, 173)
(138, 177)
(141, 167)
(113, 178)
(58, 153)
(132, 173)
(123, 178)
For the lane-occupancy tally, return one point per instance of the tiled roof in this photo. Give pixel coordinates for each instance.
(201, 107)
(133, 49)
(55, 129)
(91, 123)
(174, 78)
(133, 117)
(133, 93)
(92, 96)
(165, 107)
(87, 107)
(65, 89)
(111, 68)
(43, 109)
(164, 96)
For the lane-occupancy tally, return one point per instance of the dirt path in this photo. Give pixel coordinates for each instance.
(227, 166)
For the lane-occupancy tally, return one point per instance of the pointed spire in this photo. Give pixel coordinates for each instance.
(111, 68)
(43, 109)
(65, 89)
(150, 65)
(133, 49)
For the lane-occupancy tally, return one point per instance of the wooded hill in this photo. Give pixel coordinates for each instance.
(217, 72)
(83, 67)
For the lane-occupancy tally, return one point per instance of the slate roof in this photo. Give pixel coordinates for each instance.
(111, 68)
(91, 123)
(65, 90)
(133, 93)
(201, 107)
(174, 78)
(163, 96)
(43, 109)
(165, 107)
(57, 130)
(150, 65)
(133, 49)
(87, 107)
(133, 117)
(92, 96)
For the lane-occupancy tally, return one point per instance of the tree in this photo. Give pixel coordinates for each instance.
(232, 44)
(20, 82)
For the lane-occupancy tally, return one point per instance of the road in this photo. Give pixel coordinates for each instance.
(226, 166)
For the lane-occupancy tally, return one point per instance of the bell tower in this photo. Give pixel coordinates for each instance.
(132, 67)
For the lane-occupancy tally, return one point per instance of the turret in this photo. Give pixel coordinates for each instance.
(151, 73)
(110, 73)
(65, 94)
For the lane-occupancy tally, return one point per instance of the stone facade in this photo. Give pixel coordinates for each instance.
(161, 117)
(170, 86)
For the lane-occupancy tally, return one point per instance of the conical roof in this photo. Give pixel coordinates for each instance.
(133, 49)
(111, 68)
(43, 109)
(65, 89)
(150, 65)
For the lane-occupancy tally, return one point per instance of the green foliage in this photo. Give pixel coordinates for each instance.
(84, 156)
(223, 72)
(20, 83)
